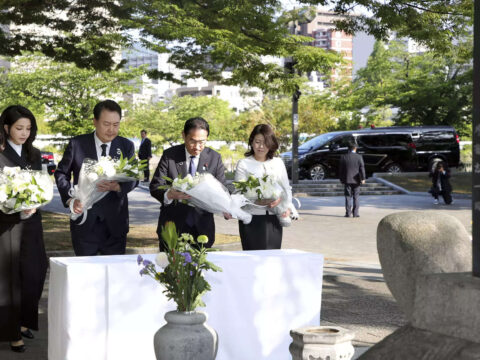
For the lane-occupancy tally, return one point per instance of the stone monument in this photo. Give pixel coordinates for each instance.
(426, 261)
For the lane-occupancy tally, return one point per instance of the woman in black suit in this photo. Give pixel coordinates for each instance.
(23, 261)
(441, 183)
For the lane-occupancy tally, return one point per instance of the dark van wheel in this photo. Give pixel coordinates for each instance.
(393, 168)
(317, 172)
(433, 164)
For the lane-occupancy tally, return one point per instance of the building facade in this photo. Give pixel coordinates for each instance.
(325, 36)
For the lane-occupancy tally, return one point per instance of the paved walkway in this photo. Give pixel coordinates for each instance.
(354, 293)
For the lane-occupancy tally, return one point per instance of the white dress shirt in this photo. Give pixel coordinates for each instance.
(98, 145)
(195, 161)
(168, 201)
(17, 148)
(274, 168)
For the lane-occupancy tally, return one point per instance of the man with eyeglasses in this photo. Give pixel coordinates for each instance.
(181, 160)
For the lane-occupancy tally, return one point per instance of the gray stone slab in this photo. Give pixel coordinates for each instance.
(410, 343)
(449, 304)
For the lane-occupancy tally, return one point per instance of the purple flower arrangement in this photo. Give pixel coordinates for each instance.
(182, 267)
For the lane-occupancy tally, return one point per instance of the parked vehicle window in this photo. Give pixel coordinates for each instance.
(369, 140)
(397, 140)
(316, 142)
(382, 140)
(342, 142)
(438, 135)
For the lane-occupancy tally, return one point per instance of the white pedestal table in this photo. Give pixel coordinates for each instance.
(101, 308)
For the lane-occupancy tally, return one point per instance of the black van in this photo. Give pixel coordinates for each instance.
(389, 149)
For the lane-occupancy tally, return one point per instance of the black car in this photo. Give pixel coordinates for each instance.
(390, 149)
(49, 161)
(434, 144)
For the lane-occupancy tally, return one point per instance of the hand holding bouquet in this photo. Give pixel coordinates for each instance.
(266, 193)
(261, 191)
(23, 189)
(93, 174)
(208, 194)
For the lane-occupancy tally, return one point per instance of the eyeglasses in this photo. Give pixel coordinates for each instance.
(196, 142)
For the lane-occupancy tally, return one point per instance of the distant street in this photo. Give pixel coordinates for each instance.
(322, 227)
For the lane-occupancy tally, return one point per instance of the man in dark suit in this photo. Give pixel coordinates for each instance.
(106, 227)
(180, 160)
(352, 174)
(145, 153)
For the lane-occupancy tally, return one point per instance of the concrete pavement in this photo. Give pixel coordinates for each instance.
(354, 293)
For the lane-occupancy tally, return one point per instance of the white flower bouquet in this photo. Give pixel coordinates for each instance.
(207, 193)
(24, 189)
(105, 169)
(260, 191)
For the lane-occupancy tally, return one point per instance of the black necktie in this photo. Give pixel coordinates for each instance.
(193, 169)
(104, 149)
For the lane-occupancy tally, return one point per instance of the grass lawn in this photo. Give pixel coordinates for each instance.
(461, 182)
(56, 234)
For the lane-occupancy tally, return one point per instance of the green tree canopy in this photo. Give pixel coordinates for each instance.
(164, 121)
(86, 32)
(207, 37)
(421, 89)
(63, 93)
(435, 23)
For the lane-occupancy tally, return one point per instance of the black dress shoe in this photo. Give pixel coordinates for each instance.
(346, 215)
(356, 215)
(27, 334)
(18, 348)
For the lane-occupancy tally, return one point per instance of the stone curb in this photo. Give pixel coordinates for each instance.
(391, 185)
(455, 196)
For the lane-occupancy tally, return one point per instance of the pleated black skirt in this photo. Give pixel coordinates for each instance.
(263, 233)
(23, 266)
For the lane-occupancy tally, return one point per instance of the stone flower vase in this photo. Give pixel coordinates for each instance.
(185, 336)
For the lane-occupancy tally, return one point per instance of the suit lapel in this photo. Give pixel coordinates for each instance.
(115, 149)
(180, 161)
(203, 161)
(91, 149)
(13, 156)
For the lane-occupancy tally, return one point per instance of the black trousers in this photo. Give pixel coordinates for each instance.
(352, 192)
(96, 240)
(146, 172)
(447, 196)
(263, 233)
(23, 267)
(192, 222)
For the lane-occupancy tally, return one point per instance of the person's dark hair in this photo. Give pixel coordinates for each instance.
(271, 141)
(109, 105)
(9, 117)
(352, 145)
(442, 164)
(143, 131)
(196, 123)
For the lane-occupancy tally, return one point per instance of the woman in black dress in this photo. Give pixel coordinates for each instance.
(23, 261)
(441, 184)
(265, 231)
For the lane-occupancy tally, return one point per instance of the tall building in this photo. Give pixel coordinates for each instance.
(325, 36)
(149, 90)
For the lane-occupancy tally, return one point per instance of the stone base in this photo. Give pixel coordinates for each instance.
(409, 343)
(448, 304)
(321, 343)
